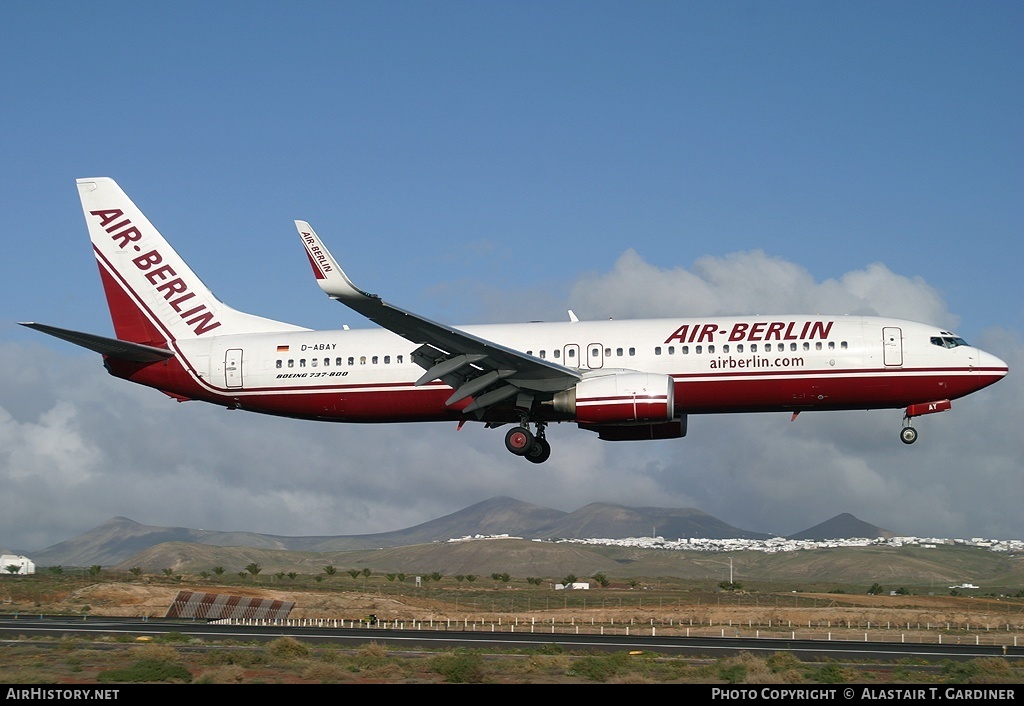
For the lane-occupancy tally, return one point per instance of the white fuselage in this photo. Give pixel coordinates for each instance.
(718, 364)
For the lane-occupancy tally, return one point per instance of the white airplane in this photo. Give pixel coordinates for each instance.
(625, 380)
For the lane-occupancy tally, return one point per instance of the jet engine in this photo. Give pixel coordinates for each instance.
(619, 398)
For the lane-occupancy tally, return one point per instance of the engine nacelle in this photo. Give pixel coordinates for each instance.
(619, 398)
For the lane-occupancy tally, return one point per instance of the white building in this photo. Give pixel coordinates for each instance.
(24, 564)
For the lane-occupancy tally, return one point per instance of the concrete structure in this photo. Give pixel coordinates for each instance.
(24, 564)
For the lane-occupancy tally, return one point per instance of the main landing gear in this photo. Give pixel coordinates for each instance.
(522, 442)
(908, 434)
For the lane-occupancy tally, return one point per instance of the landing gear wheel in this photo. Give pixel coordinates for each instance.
(908, 435)
(540, 451)
(519, 441)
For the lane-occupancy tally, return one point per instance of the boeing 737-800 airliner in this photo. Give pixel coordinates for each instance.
(625, 380)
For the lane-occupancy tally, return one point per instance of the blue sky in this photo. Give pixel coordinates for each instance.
(503, 162)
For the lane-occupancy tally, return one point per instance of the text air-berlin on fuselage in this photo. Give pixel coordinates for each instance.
(625, 380)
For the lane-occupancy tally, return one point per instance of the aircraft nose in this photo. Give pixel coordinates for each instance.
(991, 365)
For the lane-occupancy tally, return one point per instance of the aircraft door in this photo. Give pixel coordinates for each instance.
(892, 346)
(233, 368)
(595, 356)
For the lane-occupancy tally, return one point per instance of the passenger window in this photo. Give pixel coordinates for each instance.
(711, 349)
(698, 349)
(398, 360)
(657, 350)
(792, 346)
(362, 360)
(312, 363)
(671, 350)
(753, 348)
(387, 360)
(725, 348)
(557, 353)
(618, 352)
(351, 360)
(595, 352)
(291, 362)
(608, 352)
(767, 346)
(572, 352)
(543, 355)
(817, 345)
(374, 361)
(337, 361)
(632, 351)
(739, 347)
(685, 350)
(807, 346)
(302, 362)
(843, 345)
(278, 364)
(831, 345)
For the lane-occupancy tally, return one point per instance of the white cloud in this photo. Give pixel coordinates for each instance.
(752, 282)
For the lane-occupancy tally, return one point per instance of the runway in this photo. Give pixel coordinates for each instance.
(12, 628)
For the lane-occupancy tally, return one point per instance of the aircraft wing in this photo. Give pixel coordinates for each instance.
(474, 367)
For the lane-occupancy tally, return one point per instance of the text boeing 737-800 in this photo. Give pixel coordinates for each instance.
(625, 380)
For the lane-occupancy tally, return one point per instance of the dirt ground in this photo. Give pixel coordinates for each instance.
(834, 611)
(924, 619)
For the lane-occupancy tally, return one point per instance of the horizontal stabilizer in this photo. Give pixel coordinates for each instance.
(123, 350)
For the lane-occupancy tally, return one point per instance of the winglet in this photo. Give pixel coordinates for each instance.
(329, 275)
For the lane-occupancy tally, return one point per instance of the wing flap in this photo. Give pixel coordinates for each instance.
(446, 366)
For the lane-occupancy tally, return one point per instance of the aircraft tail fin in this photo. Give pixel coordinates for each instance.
(154, 297)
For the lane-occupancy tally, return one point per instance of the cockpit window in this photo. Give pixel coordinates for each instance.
(948, 341)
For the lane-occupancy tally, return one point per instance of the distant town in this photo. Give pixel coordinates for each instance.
(775, 544)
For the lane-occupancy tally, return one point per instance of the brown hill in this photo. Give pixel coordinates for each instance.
(843, 526)
(932, 569)
(120, 539)
(604, 520)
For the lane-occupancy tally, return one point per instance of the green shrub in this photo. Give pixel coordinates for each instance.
(601, 667)
(147, 670)
(288, 648)
(733, 673)
(830, 674)
(980, 670)
(228, 674)
(459, 667)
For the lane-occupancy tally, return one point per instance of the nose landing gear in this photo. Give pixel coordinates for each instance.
(522, 442)
(908, 434)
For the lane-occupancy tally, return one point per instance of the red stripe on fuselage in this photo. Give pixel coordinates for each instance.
(704, 394)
